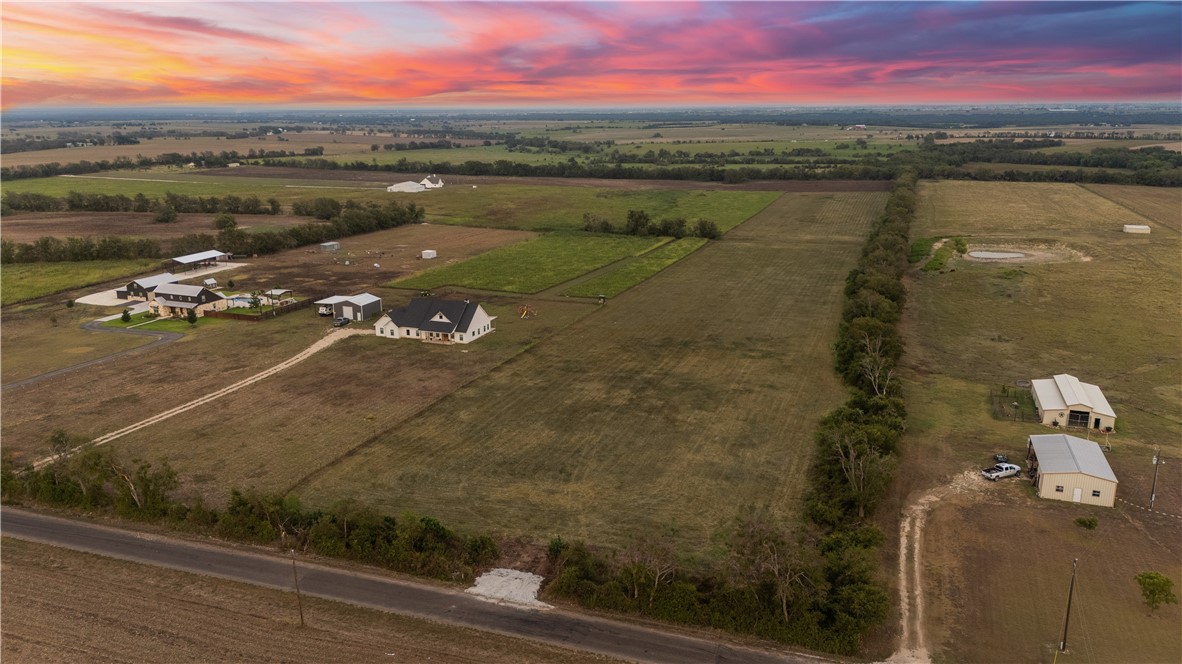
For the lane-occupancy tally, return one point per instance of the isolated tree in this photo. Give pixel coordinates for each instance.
(637, 223)
(274, 205)
(126, 317)
(707, 229)
(224, 221)
(167, 215)
(256, 301)
(1156, 589)
(191, 316)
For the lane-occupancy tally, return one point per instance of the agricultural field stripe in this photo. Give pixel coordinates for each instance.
(332, 337)
(447, 605)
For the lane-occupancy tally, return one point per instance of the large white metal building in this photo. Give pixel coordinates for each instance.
(1064, 400)
(1071, 469)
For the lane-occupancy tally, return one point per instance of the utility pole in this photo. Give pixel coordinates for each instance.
(1070, 592)
(296, 578)
(1157, 462)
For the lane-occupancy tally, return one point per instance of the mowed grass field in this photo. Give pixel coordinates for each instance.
(43, 336)
(679, 403)
(627, 275)
(26, 281)
(535, 265)
(1112, 320)
(66, 606)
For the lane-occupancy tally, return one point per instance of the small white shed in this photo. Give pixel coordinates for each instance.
(428, 253)
(330, 246)
(1137, 228)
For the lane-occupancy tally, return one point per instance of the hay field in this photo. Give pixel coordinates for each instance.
(1112, 320)
(44, 336)
(533, 266)
(26, 281)
(65, 606)
(1160, 205)
(678, 403)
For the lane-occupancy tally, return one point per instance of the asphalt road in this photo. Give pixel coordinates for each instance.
(563, 628)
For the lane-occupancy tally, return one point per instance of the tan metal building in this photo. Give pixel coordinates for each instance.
(1071, 469)
(1066, 401)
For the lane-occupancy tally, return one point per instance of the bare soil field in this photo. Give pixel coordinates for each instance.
(66, 606)
(677, 404)
(28, 226)
(212, 356)
(844, 186)
(994, 602)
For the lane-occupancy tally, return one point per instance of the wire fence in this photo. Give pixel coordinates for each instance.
(1012, 403)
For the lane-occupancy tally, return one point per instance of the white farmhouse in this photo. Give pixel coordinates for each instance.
(433, 320)
(432, 182)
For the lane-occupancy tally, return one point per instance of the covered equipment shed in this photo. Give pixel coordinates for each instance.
(1064, 400)
(354, 307)
(1070, 469)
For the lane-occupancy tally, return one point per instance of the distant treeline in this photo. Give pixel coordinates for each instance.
(350, 218)
(206, 159)
(87, 202)
(53, 250)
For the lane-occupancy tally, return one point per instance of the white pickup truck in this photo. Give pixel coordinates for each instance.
(1000, 470)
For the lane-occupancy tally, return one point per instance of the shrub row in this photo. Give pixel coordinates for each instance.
(96, 480)
(139, 203)
(52, 249)
(638, 222)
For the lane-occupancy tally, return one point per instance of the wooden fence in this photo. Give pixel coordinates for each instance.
(266, 313)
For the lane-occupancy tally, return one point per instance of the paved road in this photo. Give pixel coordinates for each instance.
(161, 338)
(558, 627)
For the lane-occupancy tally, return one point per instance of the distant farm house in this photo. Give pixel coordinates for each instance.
(433, 320)
(177, 300)
(432, 182)
(1064, 400)
(1071, 469)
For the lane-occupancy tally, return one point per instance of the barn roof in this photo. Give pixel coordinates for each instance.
(1061, 453)
(178, 289)
(212, 254)
(155, 280)
(1064, 390)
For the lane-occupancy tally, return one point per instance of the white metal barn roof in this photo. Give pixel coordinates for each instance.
(364, 299)
(335, 299)
(178, 289)
(1060, 453)
(156, 280)
(212, 254)
(1064, 390)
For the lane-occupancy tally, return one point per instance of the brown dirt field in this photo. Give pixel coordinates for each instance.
(801, 186)
(997, 570)
(217, 355)
(28, 226)
(66, 606)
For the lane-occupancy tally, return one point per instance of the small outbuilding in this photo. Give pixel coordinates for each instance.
(330, 246)
(1070, 469)
(428, 253)
(354, 307)
(1064, 400)
(408, 187)
(1137, 228)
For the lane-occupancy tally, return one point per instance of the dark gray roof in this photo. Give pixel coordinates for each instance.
(421, 310)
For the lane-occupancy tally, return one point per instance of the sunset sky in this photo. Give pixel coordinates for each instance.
(500, 54)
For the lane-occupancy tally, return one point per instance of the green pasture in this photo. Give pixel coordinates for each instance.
(534, 265)
(544, 208)
(637, 270)
(25, 281)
